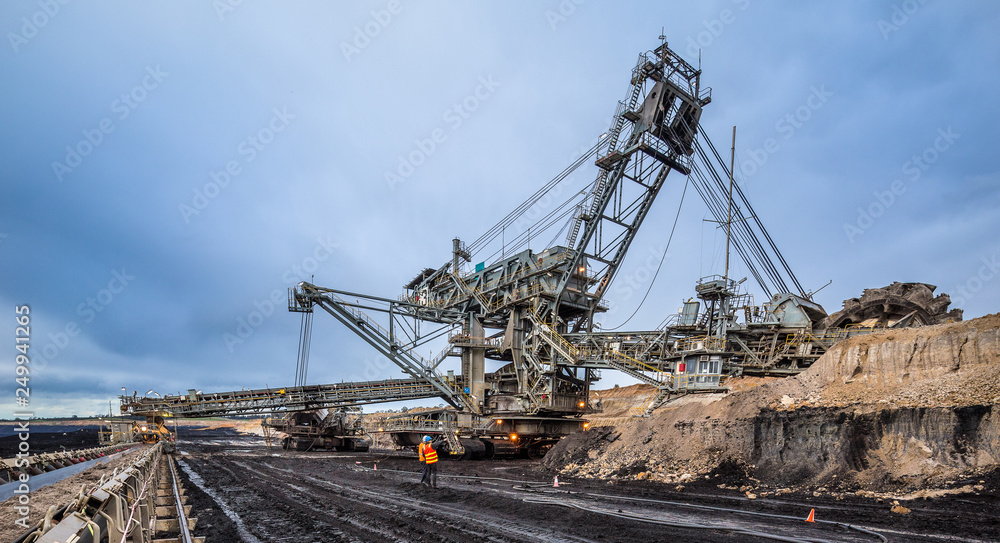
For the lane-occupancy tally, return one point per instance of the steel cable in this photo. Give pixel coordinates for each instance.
(499, 227)
(662, 258)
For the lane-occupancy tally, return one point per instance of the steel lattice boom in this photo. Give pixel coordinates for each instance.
(241, 402)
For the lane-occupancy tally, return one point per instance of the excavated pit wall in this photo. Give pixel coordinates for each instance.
(907, 408)
(903, 446)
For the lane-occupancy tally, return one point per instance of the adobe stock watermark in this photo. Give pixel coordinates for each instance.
(531, 215)
(900, 15)
(713, 29)
(278, 298)
(912, 171)
(375, 369)
(373, 28)
(453, 118)
(564, 10)
(975, 282)
(31, 26)
(785, 126)
(636, 281)
(88, 311)
(248, 149)
(122, 107)
(225, 7)
(527, 219)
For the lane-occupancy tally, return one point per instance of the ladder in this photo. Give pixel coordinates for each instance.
(601, 182)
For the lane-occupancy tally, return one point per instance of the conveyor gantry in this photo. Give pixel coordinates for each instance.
(275, 400)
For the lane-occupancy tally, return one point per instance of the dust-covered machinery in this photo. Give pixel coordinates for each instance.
(152, 430)
(340, 429)
(895, 306)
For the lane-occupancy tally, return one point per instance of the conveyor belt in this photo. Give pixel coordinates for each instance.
(273, 400)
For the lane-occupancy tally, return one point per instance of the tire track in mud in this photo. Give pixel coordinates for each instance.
(471, 524)
(293, 498)
(300, 500)
(198, 481)
(744, 525)
(290, 496)
(274, 514)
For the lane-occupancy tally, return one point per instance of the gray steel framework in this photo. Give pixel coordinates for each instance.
(194, 405)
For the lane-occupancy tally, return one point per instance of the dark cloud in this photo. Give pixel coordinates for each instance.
(235, 145)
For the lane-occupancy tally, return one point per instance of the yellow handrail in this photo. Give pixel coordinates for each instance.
(710, 343)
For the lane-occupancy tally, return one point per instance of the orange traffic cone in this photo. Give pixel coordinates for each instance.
(555, 482)
(376, 466)
(812, 516)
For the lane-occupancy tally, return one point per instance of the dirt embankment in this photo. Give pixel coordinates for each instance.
(898, 410)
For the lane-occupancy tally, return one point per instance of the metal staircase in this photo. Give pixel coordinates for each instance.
(601, 182)
(553, 339)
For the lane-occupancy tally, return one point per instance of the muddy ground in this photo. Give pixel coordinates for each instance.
(241, 491)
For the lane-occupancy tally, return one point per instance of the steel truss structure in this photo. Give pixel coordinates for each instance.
(533, 312)
(270, 400)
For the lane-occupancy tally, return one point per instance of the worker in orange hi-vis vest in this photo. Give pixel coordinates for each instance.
(429, 457)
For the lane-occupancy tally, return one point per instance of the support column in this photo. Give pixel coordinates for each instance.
(474, 363)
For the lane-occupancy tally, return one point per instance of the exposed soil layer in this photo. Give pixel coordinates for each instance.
(900, 413)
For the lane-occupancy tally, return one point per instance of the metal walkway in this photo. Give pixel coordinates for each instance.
(194, 405)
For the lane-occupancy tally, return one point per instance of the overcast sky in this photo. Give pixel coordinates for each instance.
(169, 169)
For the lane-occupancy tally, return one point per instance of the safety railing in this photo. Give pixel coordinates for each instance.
(540, 264)
(552, 337)
(831, 336)
(425, 425)
(633, 362)
(275, 400)
(599, 353)
(701, 343)
(415, 423)
(466, 340)
(694, 381)
(676, 385)
(637, 412)
(483, 292)
(489, 295)
(858, 329)
(794, 340)
(359, 314)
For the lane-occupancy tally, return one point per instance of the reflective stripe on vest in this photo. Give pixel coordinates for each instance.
(428, 454)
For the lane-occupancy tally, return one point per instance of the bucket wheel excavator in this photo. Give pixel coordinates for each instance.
(525, 324)
(896, 306)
